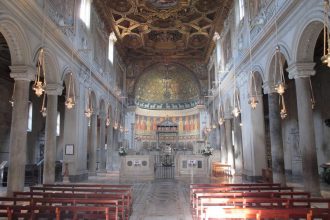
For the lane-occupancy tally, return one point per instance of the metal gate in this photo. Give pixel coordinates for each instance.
(164, 166)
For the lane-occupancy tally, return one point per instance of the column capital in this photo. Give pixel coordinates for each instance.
(301, 70)
(23, 72)
(54, 89)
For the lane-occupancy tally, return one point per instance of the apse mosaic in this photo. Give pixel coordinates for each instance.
(146, 128)
(167, 87)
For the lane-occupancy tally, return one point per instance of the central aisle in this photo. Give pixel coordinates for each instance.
(161, 200)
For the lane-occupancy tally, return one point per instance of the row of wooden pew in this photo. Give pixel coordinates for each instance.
(254, 201)
(69, 201)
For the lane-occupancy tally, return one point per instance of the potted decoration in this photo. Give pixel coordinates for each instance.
(122, 151)
(207, 151)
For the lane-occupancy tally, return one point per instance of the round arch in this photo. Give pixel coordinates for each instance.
(52, 65)
(20, 51)
(271, 63)
(308, 30)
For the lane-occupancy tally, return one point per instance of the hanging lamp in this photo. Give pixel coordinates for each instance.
(116, 124)
(11, 100)
(326, 37)
(89, 110)
(43, 110)
(253, 95)
(70, 99)
(39, 85)
(253, 99)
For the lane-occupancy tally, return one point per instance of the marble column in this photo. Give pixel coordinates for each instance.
(23, 75)
(301, 73)
(102, 141)
(238, 146)
(223, 148)
(52, 90)
(230, 147)
(109, 147)
(276, 139)
(93, 143)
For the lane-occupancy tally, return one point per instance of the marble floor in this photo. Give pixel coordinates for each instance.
(168, 199)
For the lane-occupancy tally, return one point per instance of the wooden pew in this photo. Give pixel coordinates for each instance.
(232, 213)
(262, 203)
(220, 189)
(58, 212)
(123, 205)
(256, 213)
(227, 195)
(126, 192)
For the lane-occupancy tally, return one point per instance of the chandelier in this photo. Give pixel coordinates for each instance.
(253, 96)
(108, 120)
(116, 124)
(253, 99)
(39, 85)
(280, 85)
(326, 37)
(237, 109)
(313, 102)
(11, 100)
(43, 110)
(70, 99)
(89, 110)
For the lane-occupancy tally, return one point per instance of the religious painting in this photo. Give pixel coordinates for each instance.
(69, 149)
(227, 51)
(188, 127)
(63, 11)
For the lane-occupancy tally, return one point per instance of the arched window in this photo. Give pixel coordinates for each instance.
(241, 9)
(29, 128)
(58, 123)
(112, 41)
(85, 12)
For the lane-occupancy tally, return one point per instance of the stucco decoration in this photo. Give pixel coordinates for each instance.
(169, 86)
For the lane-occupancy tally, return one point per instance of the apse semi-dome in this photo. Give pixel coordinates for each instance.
(167, 86)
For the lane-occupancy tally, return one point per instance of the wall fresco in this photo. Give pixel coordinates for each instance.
(146, 127)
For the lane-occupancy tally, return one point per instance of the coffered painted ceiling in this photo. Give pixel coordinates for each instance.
(164, 28)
